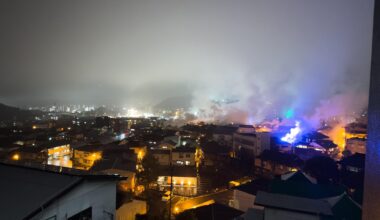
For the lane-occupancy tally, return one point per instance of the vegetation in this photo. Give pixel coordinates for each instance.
(322, 168)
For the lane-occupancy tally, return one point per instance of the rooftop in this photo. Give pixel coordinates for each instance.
(25, 191)
(213, 211)
(293, 203)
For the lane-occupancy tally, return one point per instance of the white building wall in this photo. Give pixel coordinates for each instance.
(243, 201)
(100, 195)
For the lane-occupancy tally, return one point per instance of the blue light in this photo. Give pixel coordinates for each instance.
(289, 113)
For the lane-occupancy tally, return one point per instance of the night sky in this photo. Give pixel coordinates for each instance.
(272, 54)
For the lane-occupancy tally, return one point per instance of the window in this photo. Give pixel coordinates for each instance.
(83, 215)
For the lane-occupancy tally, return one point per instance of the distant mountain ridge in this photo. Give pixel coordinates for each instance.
(8, 113)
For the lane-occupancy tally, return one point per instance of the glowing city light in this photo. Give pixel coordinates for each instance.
(15, 157)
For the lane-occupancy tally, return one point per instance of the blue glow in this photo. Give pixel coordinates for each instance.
(289, 113)
(291, 137)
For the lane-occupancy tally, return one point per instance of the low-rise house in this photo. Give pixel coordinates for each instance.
(162, 156)
(57, 149)
(183, 156)
(277, 206)
(28, 154)
(185, 180)
(298, 196)
(5, 149)
(121, 167)
(51, 195)
(84, 157)
(272, 162)
(244, 195)
(352, 175)
(209, 212)
(215, 153)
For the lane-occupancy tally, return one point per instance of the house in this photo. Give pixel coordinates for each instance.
(84, 157)
(354, 163)
(209, 212)
(183, 156)
(28, 154)
(185, 181)
(214, 152)
(30, 193)
(296, 195)
(283, 206)
(162, 156)
(244, 195)
(5, 149)
(352, 175)
(57, 149)
(272, 162)
(129, 181)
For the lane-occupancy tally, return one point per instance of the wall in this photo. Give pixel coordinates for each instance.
(243, 200)
(100, 195)
(183, 157)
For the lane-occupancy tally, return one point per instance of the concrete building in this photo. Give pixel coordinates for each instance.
(224, 134)
(253, 144)
(29, 193)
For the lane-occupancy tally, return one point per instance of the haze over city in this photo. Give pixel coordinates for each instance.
(140, 54)
(189, 110)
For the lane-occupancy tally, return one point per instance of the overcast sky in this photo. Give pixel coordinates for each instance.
(275, 53)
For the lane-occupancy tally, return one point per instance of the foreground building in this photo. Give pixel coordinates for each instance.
(30, 193)
(297, 195)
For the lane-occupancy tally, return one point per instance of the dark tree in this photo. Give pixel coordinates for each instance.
(150, 170)
(187, 215)
(322, 168)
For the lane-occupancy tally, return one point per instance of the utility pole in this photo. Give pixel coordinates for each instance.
(171, 183)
